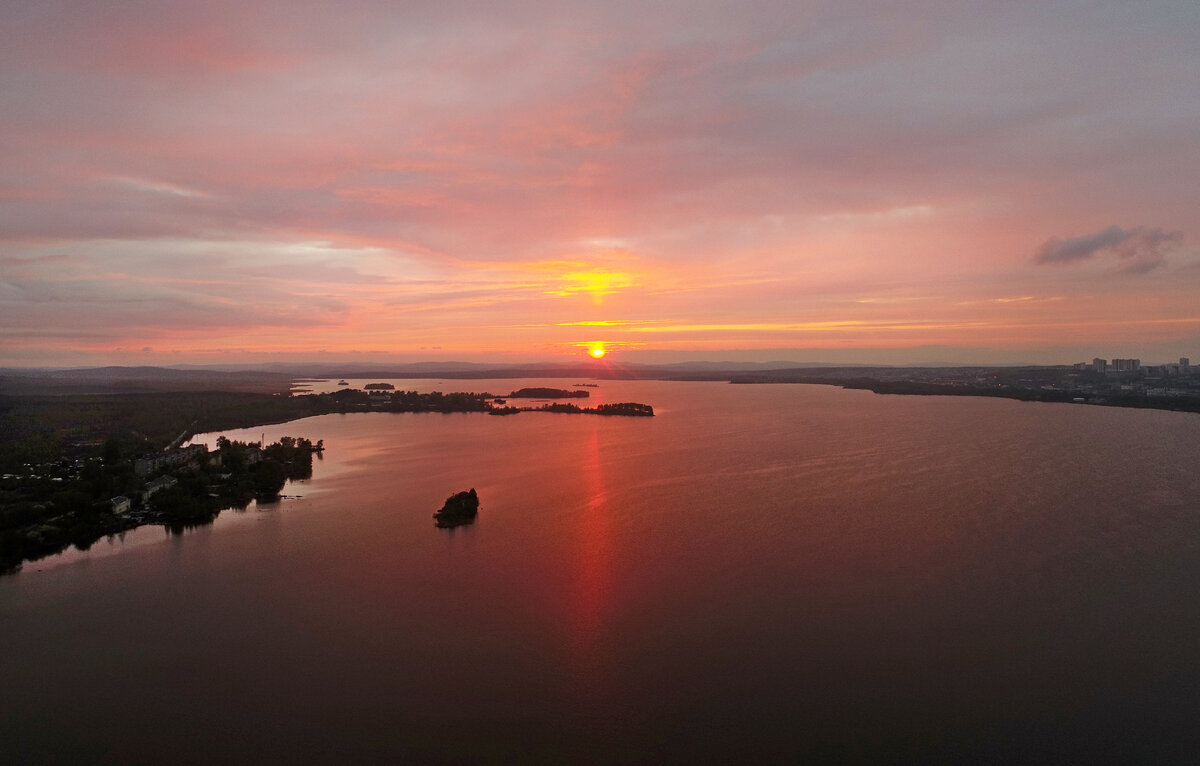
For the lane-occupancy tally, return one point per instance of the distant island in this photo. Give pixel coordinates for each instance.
(624, 409)
(547, 393)
(379, 387)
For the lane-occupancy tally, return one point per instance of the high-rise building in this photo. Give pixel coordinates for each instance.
(1184, 362)
(1100, 365)
(1127, 365)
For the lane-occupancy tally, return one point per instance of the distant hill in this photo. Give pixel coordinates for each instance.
(748, 366)
(107, 380)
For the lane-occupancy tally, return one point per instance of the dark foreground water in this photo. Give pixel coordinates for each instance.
(758, 574)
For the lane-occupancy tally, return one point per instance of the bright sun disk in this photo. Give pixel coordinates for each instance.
(597, 352)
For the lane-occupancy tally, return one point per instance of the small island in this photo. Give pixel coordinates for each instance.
(624, 409)
(459, 509)
(379, 387)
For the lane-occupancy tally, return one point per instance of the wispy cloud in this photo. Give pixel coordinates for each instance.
(606, 323)
(1012, 299)
(157, 187)
(1141, 249)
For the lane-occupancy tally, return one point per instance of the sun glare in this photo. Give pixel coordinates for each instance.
(597, 352)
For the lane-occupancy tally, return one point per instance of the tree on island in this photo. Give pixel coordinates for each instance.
(548, 393)
(269, 476)
(460, 508)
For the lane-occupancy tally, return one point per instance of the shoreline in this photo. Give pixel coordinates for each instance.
(77, 469)
(175, 489)
(1186, 404)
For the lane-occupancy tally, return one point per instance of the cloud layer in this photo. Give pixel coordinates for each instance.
(285, 177)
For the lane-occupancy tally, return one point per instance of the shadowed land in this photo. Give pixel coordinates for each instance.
(74, 468)
(45, 508)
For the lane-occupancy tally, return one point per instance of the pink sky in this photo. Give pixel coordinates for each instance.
(842, 181)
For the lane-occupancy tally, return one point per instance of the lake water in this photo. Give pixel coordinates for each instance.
(758, 574)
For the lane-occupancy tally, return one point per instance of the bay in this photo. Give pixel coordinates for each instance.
(759, 573)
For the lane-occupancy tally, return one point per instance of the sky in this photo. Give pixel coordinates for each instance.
(901, 182)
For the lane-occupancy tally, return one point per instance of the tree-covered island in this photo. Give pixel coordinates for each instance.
(548, 393)
(459, 509)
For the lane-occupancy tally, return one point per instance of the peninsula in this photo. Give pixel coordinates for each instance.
(1115, 383)
(45, 508)
(91, 461)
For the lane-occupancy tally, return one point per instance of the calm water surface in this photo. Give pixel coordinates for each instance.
(758, 574)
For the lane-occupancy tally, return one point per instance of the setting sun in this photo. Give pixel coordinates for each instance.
(597, 352)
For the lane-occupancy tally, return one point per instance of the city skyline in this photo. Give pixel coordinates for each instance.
(842, 183)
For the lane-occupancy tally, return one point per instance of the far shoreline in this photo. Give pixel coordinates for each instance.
(1190, 405)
